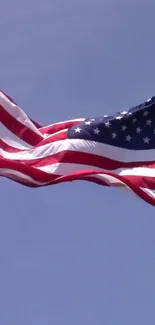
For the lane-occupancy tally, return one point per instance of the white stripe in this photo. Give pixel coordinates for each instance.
(17, 113)
(137, 171)
(14, 174)
(92, 147)
(65, 168)
(110, 180)
(53, 134)
(149, 192)
(11, 139)
(59, 123)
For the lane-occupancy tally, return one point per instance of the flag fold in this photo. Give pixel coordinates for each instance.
(111, 150)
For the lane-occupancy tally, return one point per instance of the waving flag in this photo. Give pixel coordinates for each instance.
(116, 150)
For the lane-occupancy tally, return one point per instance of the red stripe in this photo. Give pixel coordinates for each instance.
(40, 176)
(12, 100)
(133, 183)
(58, 127)
(95, 180)
(83, 158)
(18, 128)
(55, 137)
(8, 148)
(142, 181)
(36, 174)
(139, 181)
(19, 180)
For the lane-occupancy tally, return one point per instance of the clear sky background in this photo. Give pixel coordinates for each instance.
(76, 253)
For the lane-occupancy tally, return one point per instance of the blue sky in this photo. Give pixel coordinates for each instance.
(76, 253)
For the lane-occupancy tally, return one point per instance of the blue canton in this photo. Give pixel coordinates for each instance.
(131, 129)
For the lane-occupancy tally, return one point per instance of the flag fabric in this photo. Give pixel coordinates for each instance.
(110, 150)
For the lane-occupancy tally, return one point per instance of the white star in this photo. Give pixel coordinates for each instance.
(149, 100)
(146, 113)
(138, 130)
(96, 131)
(124, 112)
(88, 122)
(148, 122)
(107, 124)
(118, 117)
(134, 120)
(128, 137)
(124, 127)
(146, 140)
(114, 135)
(77, 130)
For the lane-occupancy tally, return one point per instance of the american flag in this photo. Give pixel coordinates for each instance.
(110, 150)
